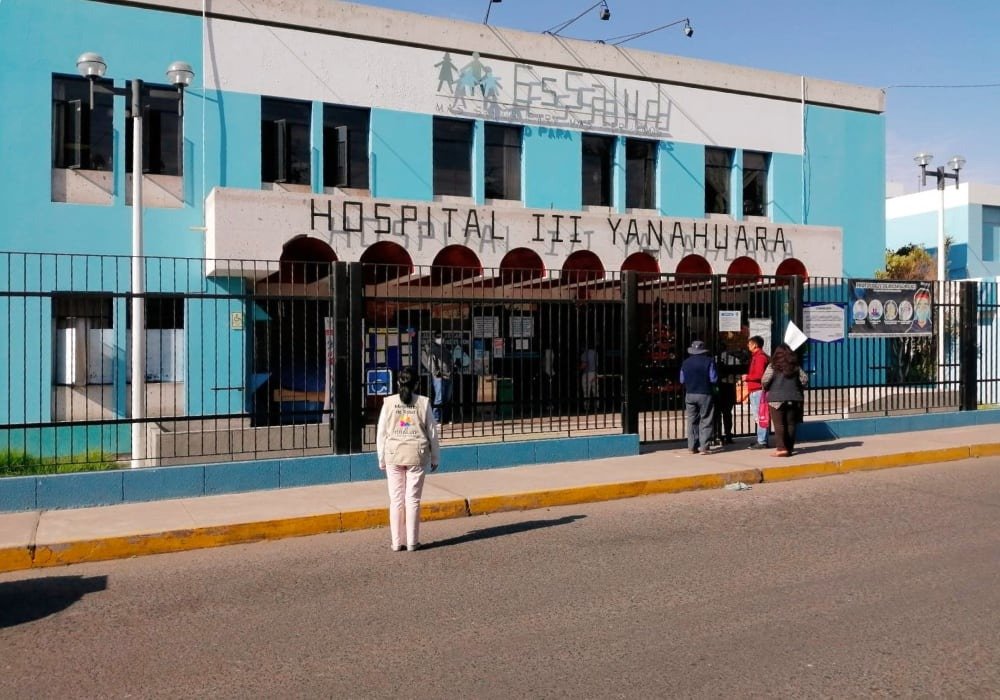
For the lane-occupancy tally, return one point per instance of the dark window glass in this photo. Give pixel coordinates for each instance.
(81, 136)
(991, 233)
(164, 312)
(503, 162)
(452, 157)
(345, 146)
(598, 159)
(640, 174)
(285, 141)
(162, 136)
(755, 183)
(718, 170)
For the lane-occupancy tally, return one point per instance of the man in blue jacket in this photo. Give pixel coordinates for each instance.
(699, 376)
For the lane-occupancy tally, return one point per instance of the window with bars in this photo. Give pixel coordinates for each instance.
(285, 141)
(452, 157)
(598, 160)
(345, 146)
(718, 174)
(503, 162)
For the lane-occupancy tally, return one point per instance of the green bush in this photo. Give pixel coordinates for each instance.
(14, 463)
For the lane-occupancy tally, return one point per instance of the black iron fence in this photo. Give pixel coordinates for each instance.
(250, 359)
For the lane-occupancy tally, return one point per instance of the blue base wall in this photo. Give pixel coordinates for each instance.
(88, 489)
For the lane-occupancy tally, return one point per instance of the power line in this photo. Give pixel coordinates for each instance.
(956, 86)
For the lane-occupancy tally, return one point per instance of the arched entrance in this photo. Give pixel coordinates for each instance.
(694, 265)
(792, 267)
(454, 263)
(385, 261)
(582, 266)
(521, 265)
(743, 270)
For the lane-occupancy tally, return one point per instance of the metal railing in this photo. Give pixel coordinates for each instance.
(278, 358)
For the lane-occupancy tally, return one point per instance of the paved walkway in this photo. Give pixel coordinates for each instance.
(55, 537)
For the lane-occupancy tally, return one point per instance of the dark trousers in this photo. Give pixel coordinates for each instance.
(725, 401)
(784, 420)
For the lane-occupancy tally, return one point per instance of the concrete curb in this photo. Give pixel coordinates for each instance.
(34, 555)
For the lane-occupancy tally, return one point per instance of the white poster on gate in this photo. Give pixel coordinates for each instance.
(761, 327)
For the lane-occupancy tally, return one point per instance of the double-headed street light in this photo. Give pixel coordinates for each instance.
(92, 66)
(956, 164)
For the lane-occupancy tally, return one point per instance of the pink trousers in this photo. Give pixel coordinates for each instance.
(405, 486)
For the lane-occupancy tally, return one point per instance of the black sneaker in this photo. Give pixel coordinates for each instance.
(756, 446)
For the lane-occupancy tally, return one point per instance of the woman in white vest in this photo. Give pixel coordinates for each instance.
(407, 443)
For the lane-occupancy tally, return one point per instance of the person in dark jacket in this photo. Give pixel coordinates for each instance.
(785, 383)
(699, 376)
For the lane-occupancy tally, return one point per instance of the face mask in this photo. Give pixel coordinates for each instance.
(923, 314)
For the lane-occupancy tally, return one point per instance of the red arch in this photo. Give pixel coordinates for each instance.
(641, 262)
(582, 266)
(304, 259)
(453, 263)
(744, 269)
(792, 267)
(521, 264)
(694, 265)
(384, 261)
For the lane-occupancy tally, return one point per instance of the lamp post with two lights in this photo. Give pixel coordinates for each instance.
(93, 67)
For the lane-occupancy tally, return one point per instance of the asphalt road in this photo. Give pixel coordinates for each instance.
(869, 584)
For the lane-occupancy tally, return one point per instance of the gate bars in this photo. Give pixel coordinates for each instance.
(249, 359)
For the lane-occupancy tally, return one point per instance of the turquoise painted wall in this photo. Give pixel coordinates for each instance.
(682, 179)
(479, 162)
(553, 161)
(617, 176)
(217, 354)
(784, 188)
(845, 182)
(736, 185)
(402, 155)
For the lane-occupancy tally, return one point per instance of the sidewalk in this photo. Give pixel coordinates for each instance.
(56, 537)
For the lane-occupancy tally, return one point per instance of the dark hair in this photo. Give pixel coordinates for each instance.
(785, 361)
(406, 377)
(757, 340)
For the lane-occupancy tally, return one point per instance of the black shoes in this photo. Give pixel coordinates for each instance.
(756, 446)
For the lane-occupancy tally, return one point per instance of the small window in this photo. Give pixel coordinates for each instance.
(991, 233)
(81, 135)
(452, 157)
(345, 146)
(285, 141)
(718, 171)
(162, 134)
(165, 339)
(598, 160)
(755, 183)
(640, 174)
(503, 162)
(85, 341)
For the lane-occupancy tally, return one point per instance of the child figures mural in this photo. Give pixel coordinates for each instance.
(463, 82)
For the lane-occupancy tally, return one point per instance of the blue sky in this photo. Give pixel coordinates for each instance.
(877, 43)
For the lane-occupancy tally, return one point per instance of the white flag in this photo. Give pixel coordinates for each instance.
(794, 337)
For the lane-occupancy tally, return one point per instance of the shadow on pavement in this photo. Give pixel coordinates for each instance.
(36, 598)
(810, 447)
(500, 531)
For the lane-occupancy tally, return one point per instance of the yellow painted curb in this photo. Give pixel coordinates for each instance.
(904, 459)
(443, 510)
(594, 493)
(15, 559)
(990, 450)
(800, 471)
(182, 540)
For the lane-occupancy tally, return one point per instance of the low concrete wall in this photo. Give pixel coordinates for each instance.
(158, 483)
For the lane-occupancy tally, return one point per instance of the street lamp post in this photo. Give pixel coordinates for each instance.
(92, 66)
(956, 164)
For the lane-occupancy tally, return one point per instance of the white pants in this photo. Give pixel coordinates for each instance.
(405, 486)
(588, 381)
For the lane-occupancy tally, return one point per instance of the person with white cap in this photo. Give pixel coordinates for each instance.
(699, 376)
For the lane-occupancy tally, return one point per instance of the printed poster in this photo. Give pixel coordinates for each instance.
(891, 308)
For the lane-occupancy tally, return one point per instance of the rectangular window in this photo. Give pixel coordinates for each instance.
(718, 173)
(81, 136)
(85, 342)
(345, 146)
(285, 141)
(164, 339)
(452, 157)
(162, 134)
(991, 233)
(640, 174)
(503, 162)
(598, 160)
(755, 183)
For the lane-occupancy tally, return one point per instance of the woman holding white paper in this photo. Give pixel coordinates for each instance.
(785, 382)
